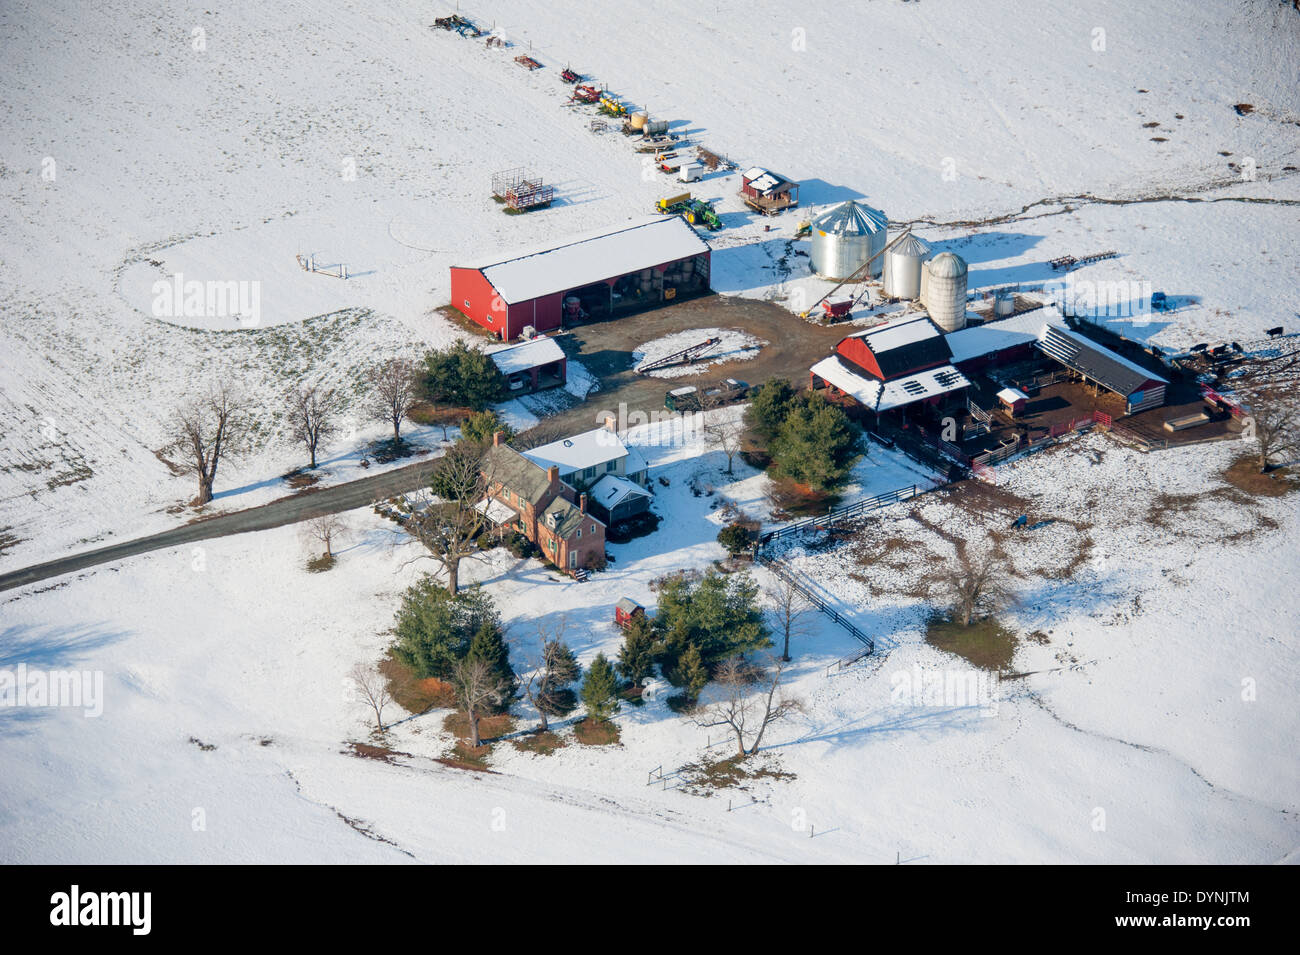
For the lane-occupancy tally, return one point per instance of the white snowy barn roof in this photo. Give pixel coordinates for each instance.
(976, 341)
(591, 257)
(533, 354)
(898, 333)
(886, 395)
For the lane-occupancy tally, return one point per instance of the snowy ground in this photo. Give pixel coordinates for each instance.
(1134, 745)
(135, 149)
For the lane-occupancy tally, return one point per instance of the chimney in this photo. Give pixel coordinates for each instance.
(582, 503)
(552, 474)
(611, 423)
(496, 438)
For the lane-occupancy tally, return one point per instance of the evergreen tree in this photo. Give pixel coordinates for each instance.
(598, 690)
(768, 408)
(816, 445)
(559, 669)
(480, 427)
(462, 376)
(636, 656)
(693, 673)
(434, 629)
(489, 645)
(718, 614)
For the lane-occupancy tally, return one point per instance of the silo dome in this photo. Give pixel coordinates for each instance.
(903, 267)
(845, 237)
(943, 290)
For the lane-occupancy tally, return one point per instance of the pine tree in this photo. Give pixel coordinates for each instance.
(694, 674)
(636, 656)
(559, 669)
(489, 645)
(598, 690)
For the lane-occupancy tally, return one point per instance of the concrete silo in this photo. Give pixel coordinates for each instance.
(943, 290)
(845, 237)
(903, 265)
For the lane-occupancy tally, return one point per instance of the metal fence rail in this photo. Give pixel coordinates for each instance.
(840, 514)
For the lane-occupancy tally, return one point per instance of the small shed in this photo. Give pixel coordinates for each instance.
(627, 610)
(532, 365)
(766, 192)
(1013, 401)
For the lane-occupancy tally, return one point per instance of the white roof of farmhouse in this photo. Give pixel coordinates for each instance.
(886, 395)
(589, 449)
(591, 257)
(516, 358)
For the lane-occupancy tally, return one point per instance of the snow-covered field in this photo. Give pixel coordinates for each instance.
(142, 141)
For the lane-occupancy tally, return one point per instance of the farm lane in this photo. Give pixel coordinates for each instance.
(286, 510)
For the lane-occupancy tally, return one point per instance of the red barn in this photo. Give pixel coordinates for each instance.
(893, 366)
(605, 274)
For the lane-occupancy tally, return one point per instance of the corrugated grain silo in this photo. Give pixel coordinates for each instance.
(903, 267)
(943, 290)
(845, 237)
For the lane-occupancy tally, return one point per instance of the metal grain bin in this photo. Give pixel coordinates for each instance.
(903, 263)
(845, 237)
(943, 290)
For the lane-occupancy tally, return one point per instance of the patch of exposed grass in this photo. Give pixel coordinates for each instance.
(464, 756)
(734, 772)
(985, 643)
(490, 728)
(1244, 475)
(300, 479)
(542, 744)
(318, 565)
(593, 733)
(410, 692)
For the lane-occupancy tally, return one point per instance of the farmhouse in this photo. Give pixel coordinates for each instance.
(604, 274)
(904, 364)
(532, 499)
(584, 459)
(532, 365)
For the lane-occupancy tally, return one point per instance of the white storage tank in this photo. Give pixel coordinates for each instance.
(903, 267)
(845, 237)
(943, 290)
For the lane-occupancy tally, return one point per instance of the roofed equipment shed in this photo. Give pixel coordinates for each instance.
(637, 265)
(1141, 389)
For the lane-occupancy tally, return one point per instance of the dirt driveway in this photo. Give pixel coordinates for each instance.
(605, 349)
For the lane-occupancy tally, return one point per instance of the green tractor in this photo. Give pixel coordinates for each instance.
(699, 212)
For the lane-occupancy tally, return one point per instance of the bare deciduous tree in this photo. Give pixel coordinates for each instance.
(975, 583)
(477, 687)
(1273, 423)
(392, 387)
(446, 520)
(326, 529)
(205, 430)
(789, 608)
(726, 433)
(373, 688)
(556, 669)
(747, 714)
(538, 435)
(311, 412)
